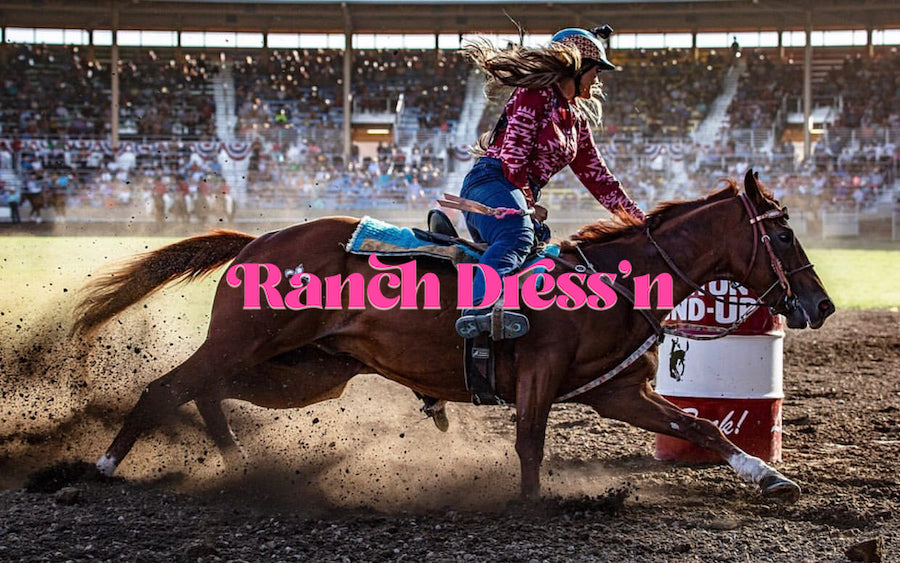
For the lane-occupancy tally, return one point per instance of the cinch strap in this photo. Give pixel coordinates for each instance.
(614, 371)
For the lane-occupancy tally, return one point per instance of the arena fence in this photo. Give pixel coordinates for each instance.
(841, 223)
(800, 224)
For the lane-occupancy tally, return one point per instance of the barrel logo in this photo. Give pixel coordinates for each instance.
(677, 355)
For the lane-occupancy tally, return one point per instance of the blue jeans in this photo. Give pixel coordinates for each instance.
(509, 239)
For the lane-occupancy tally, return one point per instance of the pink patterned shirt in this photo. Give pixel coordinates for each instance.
(545, 134)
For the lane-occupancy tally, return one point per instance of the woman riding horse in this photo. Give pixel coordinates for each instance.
(545, 126)
(277, 357)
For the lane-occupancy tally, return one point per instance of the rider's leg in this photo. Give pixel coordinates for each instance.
(509, 239)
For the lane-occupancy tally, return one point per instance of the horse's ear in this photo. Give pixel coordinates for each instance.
(752, 188)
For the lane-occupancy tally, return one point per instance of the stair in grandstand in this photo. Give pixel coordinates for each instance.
(234, 171)
(407, 127)
(223, 93)
(466, 132)
(11, 179)
(473, 107)
(709, 131)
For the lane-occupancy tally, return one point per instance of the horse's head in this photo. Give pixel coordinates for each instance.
(779, 266)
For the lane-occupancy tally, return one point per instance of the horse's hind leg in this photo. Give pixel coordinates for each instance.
(219, 430)
(638, 404)
(160, 399)
(295, 379)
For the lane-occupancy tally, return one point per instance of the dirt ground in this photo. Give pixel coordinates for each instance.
(367, 478)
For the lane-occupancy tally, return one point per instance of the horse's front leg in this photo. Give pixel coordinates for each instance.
(638, 404)
(533, 402)
(750, 468)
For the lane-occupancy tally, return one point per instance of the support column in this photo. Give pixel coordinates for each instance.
(437, 49)
(114, 79)
(807, 88)
(870, 47)
(179, 52)
(91, 51)
(695, 52)
(4, 49)
(264, 54)
(780, 44)
(348, 96)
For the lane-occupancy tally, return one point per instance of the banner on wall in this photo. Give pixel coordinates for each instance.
(239, 150)
(207, 150)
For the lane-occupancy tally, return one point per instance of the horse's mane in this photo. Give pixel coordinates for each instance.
(623, 225)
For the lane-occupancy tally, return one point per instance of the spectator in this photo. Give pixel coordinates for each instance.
(13, 199)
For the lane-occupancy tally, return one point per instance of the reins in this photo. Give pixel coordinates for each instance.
(624, 291)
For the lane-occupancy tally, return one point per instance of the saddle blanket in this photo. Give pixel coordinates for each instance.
(374, 236)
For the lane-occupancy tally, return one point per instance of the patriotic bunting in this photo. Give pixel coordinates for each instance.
(206, 149)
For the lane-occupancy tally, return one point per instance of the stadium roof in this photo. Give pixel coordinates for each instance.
(460, 16)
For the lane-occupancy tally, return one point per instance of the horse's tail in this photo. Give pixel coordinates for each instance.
(124, 286)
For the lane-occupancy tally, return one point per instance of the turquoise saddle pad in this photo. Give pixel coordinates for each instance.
(374, 236)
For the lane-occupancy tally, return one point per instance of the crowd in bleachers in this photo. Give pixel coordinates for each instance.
(290, 103)
(163, 96)
(302, 89)
(761, 90)
(652, 93)
(299, 87)
(65, 91)
(870, 90)
(302, 175)
(52, 91)
(661, 92)
(91, 179)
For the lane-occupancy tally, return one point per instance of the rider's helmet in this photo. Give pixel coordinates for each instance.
(588, 43)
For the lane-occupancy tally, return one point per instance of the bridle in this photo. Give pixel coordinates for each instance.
(786, 304)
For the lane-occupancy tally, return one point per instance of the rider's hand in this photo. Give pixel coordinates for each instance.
(540, 213)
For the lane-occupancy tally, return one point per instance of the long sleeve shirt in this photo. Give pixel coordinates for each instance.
(543, 135)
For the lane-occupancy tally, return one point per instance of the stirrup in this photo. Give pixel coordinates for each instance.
(479, 368)
(499, 323)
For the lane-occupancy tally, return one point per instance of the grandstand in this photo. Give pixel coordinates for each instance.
(253, 103)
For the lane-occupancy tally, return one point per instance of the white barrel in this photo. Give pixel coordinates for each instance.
(734, 381)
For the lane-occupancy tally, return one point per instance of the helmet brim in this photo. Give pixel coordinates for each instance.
(602, 64)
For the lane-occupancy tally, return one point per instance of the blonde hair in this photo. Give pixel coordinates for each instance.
(533, 68)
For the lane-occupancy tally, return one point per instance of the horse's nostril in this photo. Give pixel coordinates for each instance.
(826, 306)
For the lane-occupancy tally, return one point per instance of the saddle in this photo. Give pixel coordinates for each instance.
(480, 332)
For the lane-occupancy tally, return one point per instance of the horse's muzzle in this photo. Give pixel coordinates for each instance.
(800, 316)
(824, 309)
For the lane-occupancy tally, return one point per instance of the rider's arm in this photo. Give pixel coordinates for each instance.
(591, 169)
(525, 110)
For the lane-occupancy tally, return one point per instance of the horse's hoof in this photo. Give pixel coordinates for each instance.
(779, 487)
(440, 420)
(106, 465)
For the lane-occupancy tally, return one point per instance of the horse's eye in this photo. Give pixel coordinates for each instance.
(785, 237)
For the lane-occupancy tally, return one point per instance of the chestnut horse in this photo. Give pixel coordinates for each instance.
(284, 358)
(37, 201)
